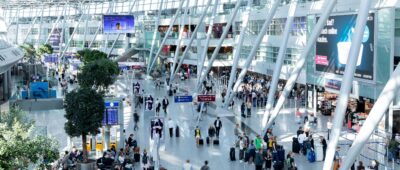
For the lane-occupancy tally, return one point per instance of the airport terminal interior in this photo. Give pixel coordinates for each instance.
(199, 84)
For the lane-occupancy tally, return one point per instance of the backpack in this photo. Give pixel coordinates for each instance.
(144, 159)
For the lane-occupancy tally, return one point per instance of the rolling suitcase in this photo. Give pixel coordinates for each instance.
(216, 142)
(319, 153)
(177, 131)
(232, 154)
(278, 165)
(281, 154)
(201, 141)
(311, 155)
(295, 145)
(275, 156)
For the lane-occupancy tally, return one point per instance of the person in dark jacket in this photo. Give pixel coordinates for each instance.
(243, 109)
(211, 131)
(258, 160)
(324, 146)
(218, 126)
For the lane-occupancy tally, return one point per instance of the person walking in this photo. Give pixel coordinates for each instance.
(211, 132)
(290, 161)
(258, 160)
(218, 126)
(242, 147)
(237, 130)
(165, 104)
(329, 127)
(136, 121)
(243, 109)
(360, 166)
(187, 165)
(268, 159)
(258, 142)
(158, 107)
(171, 126)
(324, 146)
(205, 166)
(197, 135)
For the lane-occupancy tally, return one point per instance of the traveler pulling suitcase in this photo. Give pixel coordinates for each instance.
(232, 154)
(295, 145)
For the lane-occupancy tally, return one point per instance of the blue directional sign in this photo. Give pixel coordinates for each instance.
(183, 99)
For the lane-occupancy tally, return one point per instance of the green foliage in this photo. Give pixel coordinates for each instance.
(88, 55)
(18, 148)
(45, 49)
(98, 74)
(29, 52)
(84, 109)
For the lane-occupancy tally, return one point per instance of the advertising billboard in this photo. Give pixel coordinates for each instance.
(118, 23)
(333, 46)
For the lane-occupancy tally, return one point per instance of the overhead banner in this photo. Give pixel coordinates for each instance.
(333, 46)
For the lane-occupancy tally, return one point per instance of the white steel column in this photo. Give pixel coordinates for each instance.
(40, 27)
(70, 38)
(376, 114)
(194, 35)
(347, 82)
(151, 63)
(209, 32)
(56, 23)
(30, 28)
(254, 49)
(113, 44)
(178, 47)
(237, 50)
(279, 60)
(221, 40)
(153, 41)
(302, 59)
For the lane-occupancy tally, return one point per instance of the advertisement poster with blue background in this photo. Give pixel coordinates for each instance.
(118, 23)
(333, 46)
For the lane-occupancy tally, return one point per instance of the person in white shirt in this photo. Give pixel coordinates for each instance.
(329, 127)
(302, 137)
(171, 126)
(241, 148)
(187, 165)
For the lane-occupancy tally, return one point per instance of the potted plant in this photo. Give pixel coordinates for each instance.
(84, 109)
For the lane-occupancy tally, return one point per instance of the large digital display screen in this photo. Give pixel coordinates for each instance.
(333, 46)
(118, 23)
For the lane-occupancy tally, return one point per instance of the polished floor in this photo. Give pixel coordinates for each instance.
(174, 151)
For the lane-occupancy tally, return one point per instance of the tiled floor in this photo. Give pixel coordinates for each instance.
(174, 151)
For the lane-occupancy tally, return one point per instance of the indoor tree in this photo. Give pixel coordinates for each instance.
(19, 148)
(98, 74)
(84, 111)
(89, 55)
(45, 49)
